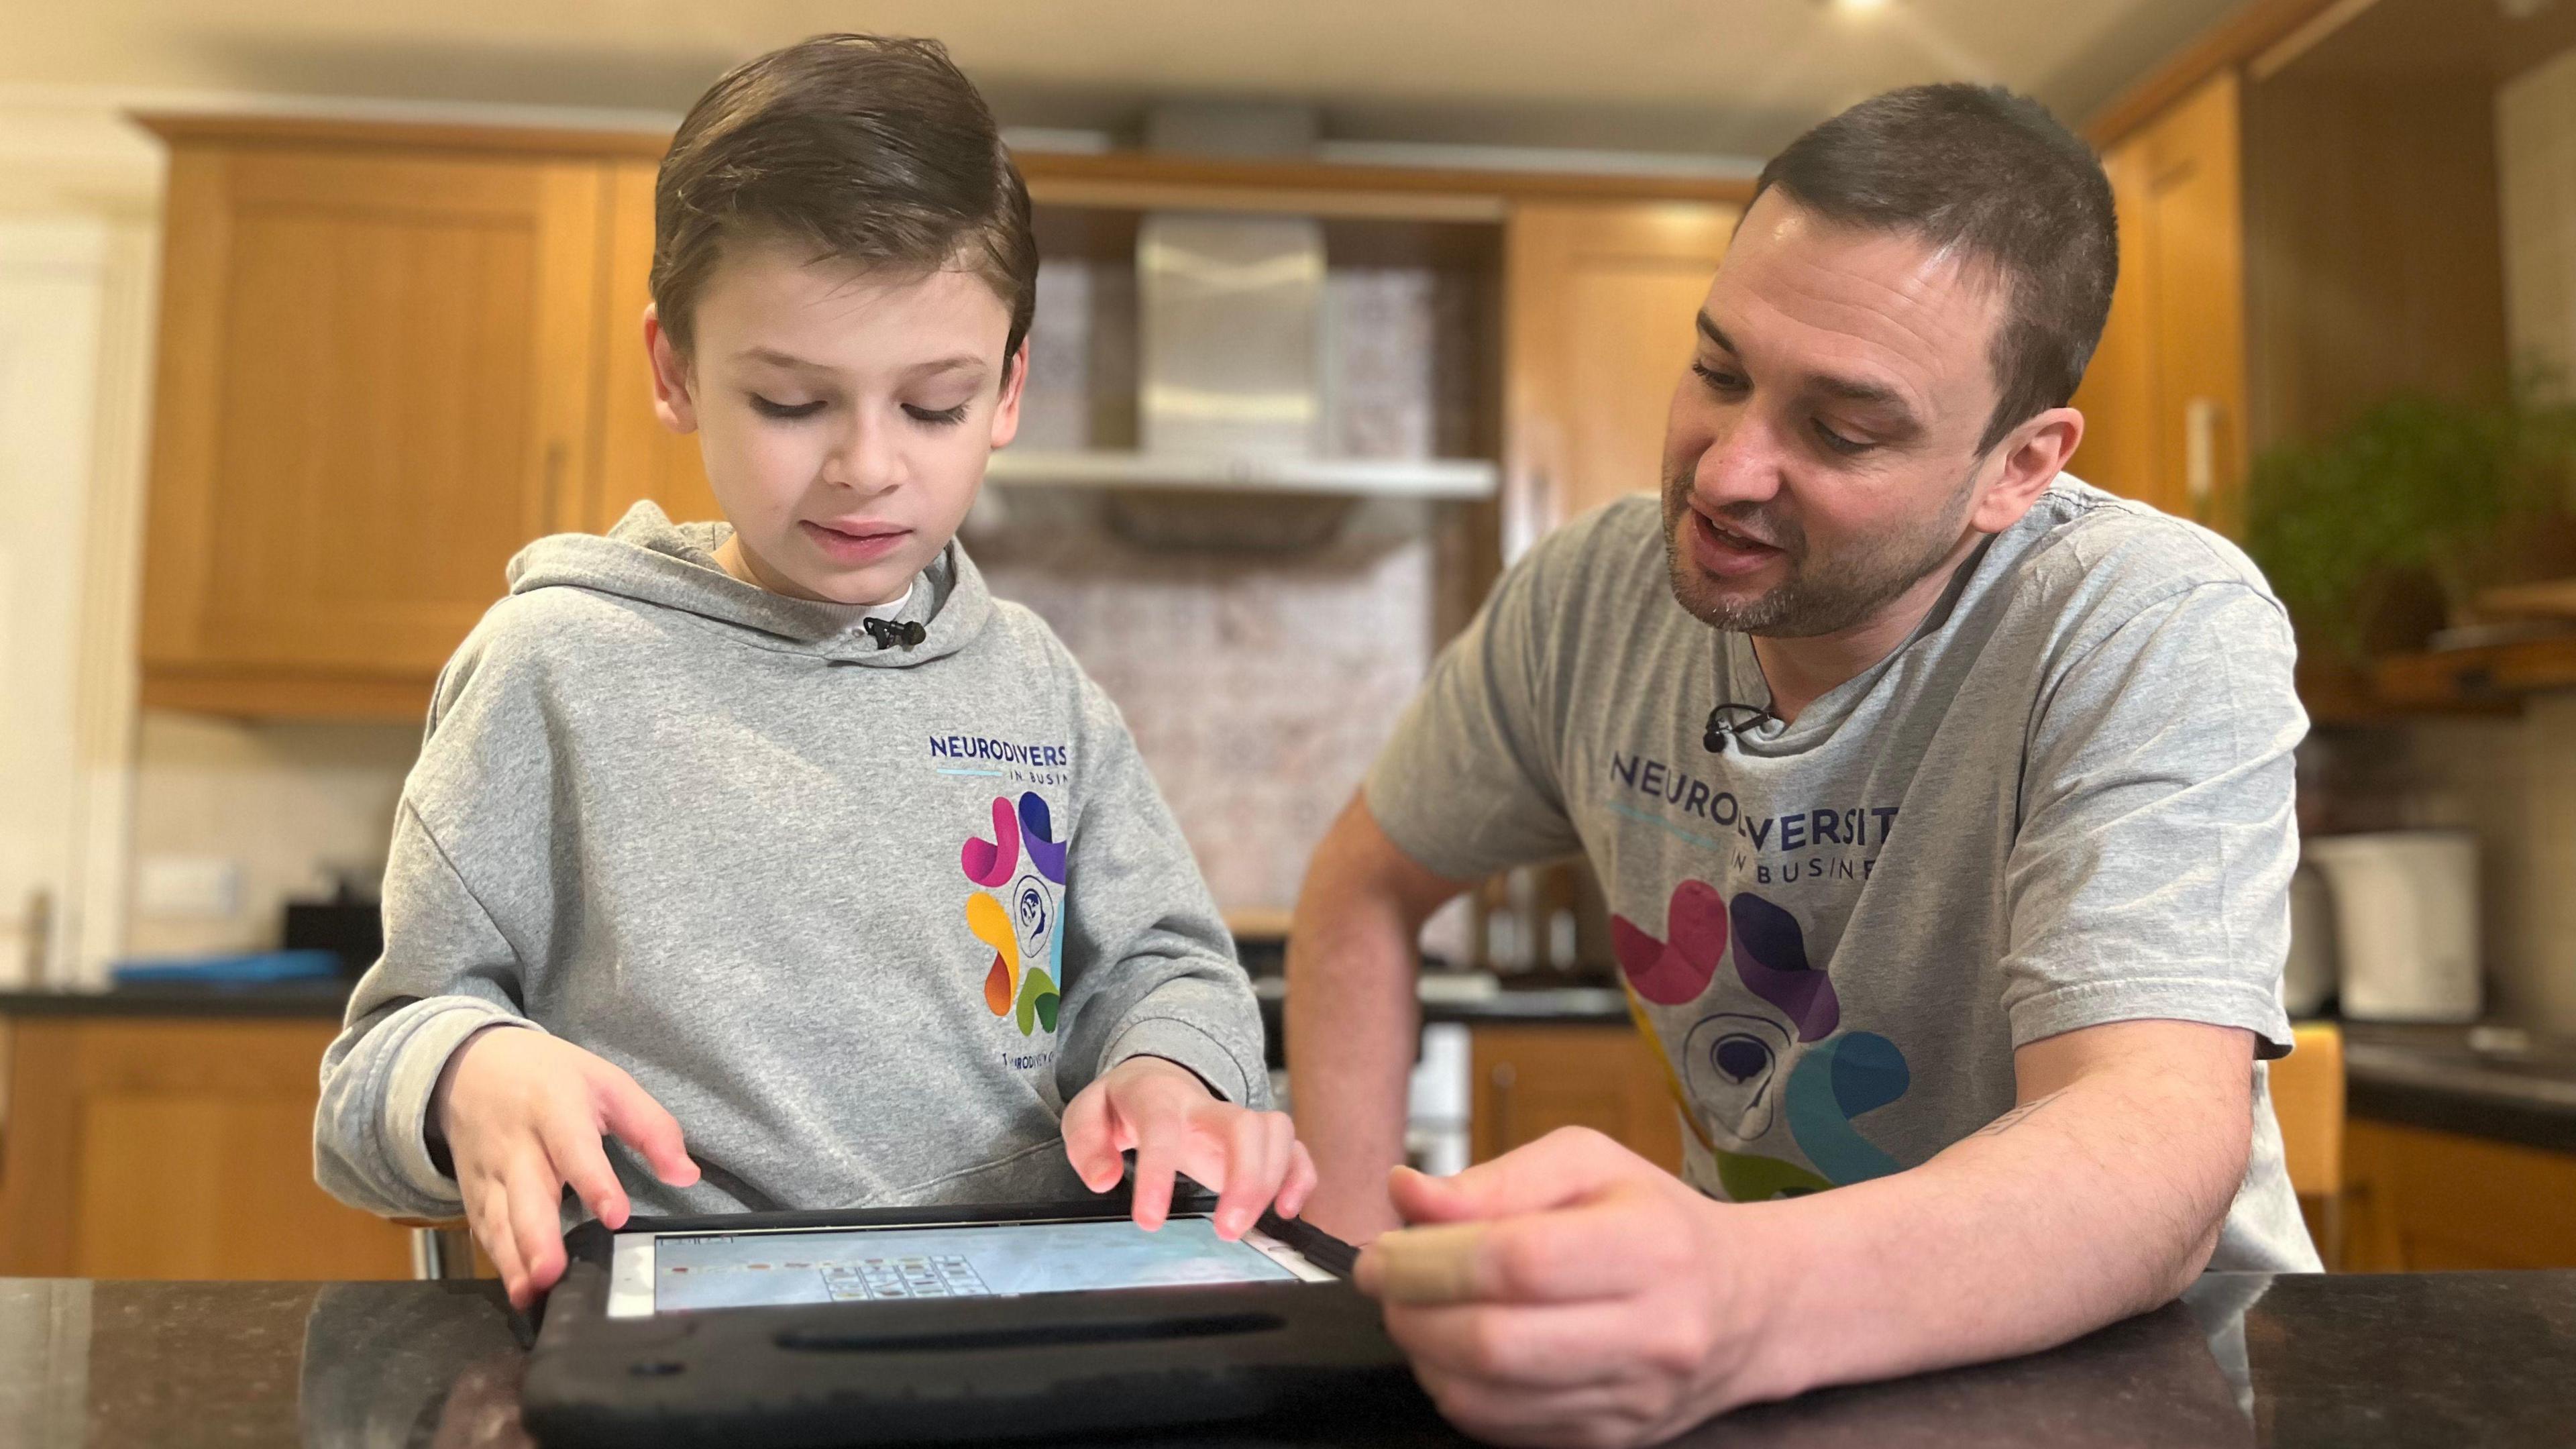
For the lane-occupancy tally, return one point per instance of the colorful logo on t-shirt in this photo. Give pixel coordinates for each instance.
(1731, 1060)
(1020, 913)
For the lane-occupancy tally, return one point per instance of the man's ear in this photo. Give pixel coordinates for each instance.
(673, 402)
(1006, 410)
(2029, 459)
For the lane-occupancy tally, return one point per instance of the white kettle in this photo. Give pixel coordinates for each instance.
(2406, 922)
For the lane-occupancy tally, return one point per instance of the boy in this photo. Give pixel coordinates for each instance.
(784, 829)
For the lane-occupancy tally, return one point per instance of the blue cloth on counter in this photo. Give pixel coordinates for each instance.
(258, 968)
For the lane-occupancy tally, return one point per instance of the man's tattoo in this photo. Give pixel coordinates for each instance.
(2014, 1117)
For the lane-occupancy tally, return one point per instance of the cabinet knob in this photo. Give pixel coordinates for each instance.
(2200, 451)
(550, 488)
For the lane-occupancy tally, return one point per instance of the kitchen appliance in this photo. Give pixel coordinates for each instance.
(2406, 922)
(350, 925)
(2308, 977)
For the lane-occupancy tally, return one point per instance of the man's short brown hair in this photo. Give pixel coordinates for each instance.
(1994, 175)
(871, 150)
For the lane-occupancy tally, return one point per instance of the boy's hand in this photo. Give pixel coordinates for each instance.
(1168, 1117)
(523, 1114)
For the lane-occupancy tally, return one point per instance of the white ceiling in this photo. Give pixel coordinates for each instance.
(1710, 76)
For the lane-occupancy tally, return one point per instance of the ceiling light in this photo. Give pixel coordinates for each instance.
(1857, 7)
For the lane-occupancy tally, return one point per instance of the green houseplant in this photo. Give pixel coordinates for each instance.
(2418, 488)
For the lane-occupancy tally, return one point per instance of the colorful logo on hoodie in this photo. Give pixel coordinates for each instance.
(1735, 1090)
(1019, 913)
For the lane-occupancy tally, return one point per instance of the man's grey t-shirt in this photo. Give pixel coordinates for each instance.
(2065, 801)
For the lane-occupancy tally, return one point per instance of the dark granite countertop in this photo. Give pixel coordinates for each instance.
(2466, 1359)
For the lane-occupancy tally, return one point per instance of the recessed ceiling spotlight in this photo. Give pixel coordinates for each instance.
(1858, 7)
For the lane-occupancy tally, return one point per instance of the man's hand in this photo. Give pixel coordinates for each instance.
(523, 1114)
(1567, 1293)
(1167, 1117)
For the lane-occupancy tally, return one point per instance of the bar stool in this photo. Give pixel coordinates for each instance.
(2308, 1098)
(440, 1248)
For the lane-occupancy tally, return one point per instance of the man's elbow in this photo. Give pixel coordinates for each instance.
(2216, 1177)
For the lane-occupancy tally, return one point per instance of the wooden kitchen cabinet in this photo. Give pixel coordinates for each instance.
(376, 383)
(392, 354)
(1599, 302)
(172, 1147)
(1531, 1080)
(2164, 399)
(2421, 1201)
(639, 458)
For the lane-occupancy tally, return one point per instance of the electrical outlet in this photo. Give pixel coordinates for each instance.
(187, 887)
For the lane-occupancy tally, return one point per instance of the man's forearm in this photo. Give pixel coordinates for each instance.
(2090, 1203)
(1353, 1030)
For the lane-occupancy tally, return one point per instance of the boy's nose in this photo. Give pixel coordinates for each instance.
(866, 460)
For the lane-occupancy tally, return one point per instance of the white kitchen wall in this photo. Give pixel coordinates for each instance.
(78, 190)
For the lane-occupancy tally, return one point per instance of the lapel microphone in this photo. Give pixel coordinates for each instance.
(889, 632)
(1721, 729)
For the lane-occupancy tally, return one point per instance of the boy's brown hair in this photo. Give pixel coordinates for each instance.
(874, 150)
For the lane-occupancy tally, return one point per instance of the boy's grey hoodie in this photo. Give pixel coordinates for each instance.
(862, 918)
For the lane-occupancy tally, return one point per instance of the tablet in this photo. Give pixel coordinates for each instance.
(774, 1330)
(691, 1272)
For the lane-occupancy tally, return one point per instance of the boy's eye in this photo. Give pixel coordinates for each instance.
(769, 409)
(937, 417)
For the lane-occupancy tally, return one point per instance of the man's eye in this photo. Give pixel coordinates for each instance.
(1837, 441)
(1724, 382)
(769, 409)
(936, 417)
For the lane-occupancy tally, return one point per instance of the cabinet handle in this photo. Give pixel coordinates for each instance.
(2200, 451)
(1501, 1079)
(550, 490)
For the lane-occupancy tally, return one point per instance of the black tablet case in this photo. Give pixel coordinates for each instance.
(1038, 1366)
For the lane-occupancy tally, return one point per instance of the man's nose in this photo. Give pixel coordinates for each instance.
(1740, 465)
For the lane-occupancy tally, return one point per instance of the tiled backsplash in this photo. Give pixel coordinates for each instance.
(1258, 686)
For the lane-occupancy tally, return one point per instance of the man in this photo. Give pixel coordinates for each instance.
(1944, 807)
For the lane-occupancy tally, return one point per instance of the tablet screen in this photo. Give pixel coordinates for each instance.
(689, 1272)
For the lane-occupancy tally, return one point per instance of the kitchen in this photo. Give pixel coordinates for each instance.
(253, 566)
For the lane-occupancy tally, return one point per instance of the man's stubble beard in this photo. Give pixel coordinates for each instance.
(1820, 596)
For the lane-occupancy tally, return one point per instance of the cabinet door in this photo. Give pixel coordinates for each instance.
(2420, 1201)
(147, 1148)
(2164, 401)
(375, 386)
(1600, 302)
(1531, 1080)
(639, 458)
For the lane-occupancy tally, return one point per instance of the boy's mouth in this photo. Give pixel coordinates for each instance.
(858, 542)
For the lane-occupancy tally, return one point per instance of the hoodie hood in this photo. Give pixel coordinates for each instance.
(652, 560)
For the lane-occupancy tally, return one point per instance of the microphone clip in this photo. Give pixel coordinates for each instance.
(1720, 729)
(890, 632)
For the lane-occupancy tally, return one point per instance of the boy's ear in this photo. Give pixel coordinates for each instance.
(672, 401)
(1006, 412)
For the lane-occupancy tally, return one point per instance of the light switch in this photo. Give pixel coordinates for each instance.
(187, 887)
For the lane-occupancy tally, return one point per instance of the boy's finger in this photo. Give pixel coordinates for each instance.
(536, 1212)
(1086, 1142)
(1151, 1196)
(1240, 1190)
(580, 1161)
(1300, 1184)
(641, 1123)
(490, 1219)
